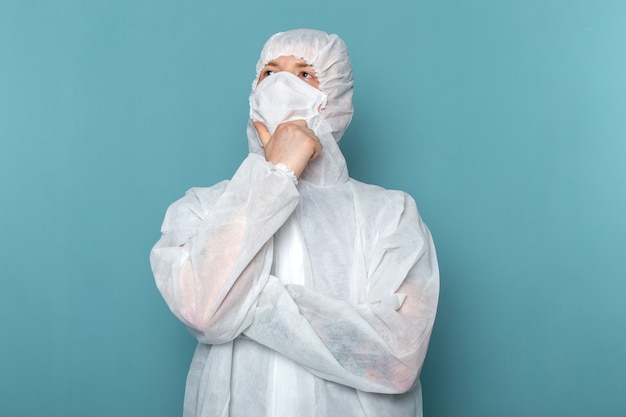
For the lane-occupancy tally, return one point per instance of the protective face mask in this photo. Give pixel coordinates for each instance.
(283, 97)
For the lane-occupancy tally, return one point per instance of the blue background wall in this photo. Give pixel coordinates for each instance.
(504, 119)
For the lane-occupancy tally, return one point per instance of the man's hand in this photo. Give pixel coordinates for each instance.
(292, 144)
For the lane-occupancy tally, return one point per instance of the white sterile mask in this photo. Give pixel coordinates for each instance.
(283, 97)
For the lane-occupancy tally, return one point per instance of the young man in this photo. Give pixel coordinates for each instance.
(310, 293)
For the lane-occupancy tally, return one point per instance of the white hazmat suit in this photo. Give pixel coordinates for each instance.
(314, 297)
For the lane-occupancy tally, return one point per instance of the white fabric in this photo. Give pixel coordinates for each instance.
(283, 97)
(331, 283)
(291, 266)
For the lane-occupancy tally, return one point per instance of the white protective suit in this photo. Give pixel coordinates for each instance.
(308, 299)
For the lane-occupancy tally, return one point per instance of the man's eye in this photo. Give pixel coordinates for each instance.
(268, 72)
(306, 75)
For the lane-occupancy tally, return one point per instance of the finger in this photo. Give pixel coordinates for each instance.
(264, 134)
(299, 122)
(318, 150)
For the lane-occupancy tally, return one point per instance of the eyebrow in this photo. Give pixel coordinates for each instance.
(299, 65)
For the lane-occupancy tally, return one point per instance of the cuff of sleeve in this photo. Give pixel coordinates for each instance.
(287, 171)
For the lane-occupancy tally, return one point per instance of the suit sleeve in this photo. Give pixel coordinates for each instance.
(379, 343)
(214, 255)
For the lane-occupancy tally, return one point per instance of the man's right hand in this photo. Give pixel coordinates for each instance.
(293, 144)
